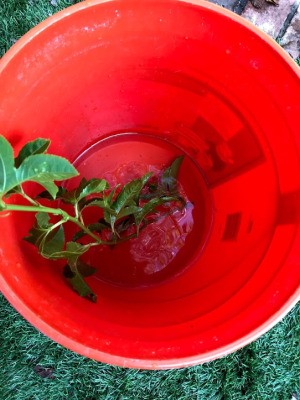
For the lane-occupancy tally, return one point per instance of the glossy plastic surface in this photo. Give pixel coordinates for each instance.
(200, 79)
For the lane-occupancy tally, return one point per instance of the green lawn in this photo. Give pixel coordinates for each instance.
(268, 369)
(35, 368)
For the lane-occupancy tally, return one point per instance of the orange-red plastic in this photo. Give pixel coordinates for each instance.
(194, 76)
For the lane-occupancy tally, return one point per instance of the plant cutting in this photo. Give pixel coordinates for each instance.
(125, 210)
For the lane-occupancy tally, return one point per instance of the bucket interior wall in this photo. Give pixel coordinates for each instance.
(154, 68)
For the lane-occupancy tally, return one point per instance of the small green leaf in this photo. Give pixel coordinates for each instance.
(110, 218)
(110, 198)
(99, 203)
(37, 146)
(170, 175)
(8, 179)
(95, 202)
(129, 210)
(40, 229)
(45, 167)
(53, 244)
(72, 252)
(72, 272)
(150, 207)
(46, 237)
(42, 220)
(47, 195)
(71, 196)
(129, 193)
(93, 186)
(85, 269)
(84, 189)
(78, 284)
(128, 197)
(50, 187)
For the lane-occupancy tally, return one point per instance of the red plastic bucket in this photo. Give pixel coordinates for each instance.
(156, 79)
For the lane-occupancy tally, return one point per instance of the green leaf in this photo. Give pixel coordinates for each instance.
(53, 244)
(101, 204)
(72, 252)
(85, 188)
(32, 166)
(50, 187)
(129, 210)
(43, 219)
(110, 218)
(106, 204)
(72, 271)
(93, 186)
(47, 195)
(48, 239)
(170, 175)
(40, 229)
(150, 207)
(72, 196)
(37, 146)
(129, 193)
(108, 200)
(85, 269)
(128, 197)
(8, 179)
(45, 167)
(77, 282)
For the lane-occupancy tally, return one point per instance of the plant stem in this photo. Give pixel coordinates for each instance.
(78, 214)
(86, 230)
(36, 208)
(29, 199)
(54, 211)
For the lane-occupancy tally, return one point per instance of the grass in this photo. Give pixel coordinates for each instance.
(268, 369)
(18, 16)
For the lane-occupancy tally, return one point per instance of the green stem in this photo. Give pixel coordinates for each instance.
(36, 208)
(54, 211)
(29, 199)
(78, 214)
(85, 229)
